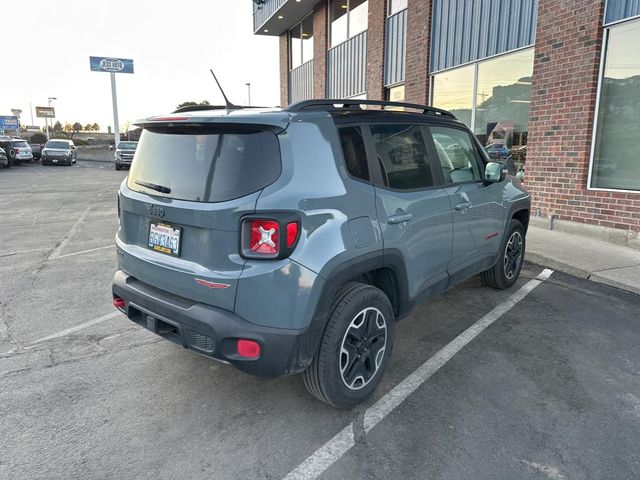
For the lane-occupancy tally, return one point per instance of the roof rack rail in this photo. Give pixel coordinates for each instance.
(350, 104)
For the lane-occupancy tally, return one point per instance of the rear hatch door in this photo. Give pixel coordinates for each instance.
(181, 205)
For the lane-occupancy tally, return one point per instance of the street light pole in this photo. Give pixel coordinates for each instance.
(46, 120)
(248, 84)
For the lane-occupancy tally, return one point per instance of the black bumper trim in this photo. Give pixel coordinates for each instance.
(211, 331)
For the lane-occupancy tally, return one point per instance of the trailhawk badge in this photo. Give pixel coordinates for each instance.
(211, 285)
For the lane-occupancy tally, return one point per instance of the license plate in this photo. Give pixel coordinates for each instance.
(165, 238)
(54, 160)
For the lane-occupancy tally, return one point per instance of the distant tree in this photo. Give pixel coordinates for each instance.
(88, 127)
(68, 128)
(124, 128)
(57, 127)
(75, 128)
(191, 104)
(38, 138)
(95, 127)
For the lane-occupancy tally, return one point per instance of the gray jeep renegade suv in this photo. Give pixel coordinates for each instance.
(292, 240)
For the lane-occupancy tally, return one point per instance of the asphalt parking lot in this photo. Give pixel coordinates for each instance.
(548, 389)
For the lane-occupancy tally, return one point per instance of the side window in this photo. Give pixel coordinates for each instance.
(402, 156)
(355, 155)
(457, 154)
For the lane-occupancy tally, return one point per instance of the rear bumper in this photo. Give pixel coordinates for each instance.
(56, 160)
(210, 331)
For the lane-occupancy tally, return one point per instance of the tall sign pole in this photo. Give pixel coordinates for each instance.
(113, 66)
(46, 113)
(114, 99)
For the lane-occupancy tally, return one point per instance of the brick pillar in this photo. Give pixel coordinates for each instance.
(418, 44)
(320, 50)
(375, 49)
(284, 69)
(563, 101)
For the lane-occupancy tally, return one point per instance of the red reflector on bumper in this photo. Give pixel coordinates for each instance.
(248, 348)
(118, 302)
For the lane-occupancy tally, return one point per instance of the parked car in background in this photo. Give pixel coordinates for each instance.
(17, 150)
(124, 154)
(59, 152)
(36, 150)
(4, 161)
(497, 151)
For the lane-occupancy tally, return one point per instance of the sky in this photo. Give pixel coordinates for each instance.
(172, 44)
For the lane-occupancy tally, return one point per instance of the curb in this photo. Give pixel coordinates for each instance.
(595, 277)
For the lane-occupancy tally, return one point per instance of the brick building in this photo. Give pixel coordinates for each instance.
(552, 86)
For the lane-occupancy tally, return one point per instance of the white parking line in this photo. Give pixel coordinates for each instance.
(77, 328)
(335, 448)
(82, 252)
(72, 231)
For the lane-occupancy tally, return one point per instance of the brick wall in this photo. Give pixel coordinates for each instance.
(284, 69)
(320, 50)
(563, 101)
(375, 49)
(418, 44)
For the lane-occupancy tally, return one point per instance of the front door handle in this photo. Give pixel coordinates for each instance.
(401, 217)
(462, 206)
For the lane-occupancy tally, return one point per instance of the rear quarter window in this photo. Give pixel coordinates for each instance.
(205, 165)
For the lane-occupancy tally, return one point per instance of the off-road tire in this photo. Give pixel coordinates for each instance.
(323, 378)
(500, 276)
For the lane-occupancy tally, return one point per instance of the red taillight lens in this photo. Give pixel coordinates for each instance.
(118, 302)
(292, 233)
(264, 236)
(248, 348)
(17, 150)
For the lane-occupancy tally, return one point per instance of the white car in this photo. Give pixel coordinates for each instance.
(17, 150)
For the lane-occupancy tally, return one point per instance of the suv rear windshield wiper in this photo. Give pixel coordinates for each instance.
(153, 186)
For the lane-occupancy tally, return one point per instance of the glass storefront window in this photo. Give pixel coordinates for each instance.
(616, 163)
(396, 5)
(453, 91)
(307, 39)
(499, 113)
(295, 48)
(347, 18)
(301, 43)
(502, 103)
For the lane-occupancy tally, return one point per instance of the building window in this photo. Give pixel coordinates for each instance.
(502, 103)
(347, 18)
(616, 164)
(453, 91)
(395, 6)
(301, 43)
(499, 113)
(395, 94)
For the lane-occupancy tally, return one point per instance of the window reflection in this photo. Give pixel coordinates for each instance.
(453, 91)
(501, 103)
(616, 163)
(307, 39)
(301, 43)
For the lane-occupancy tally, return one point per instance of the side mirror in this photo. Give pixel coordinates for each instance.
(494, 172)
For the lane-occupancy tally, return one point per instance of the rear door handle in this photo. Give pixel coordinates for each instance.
(462, 206)
(401, 217)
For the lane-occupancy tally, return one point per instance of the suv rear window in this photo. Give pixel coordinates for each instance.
(20, 143)
(203, 165)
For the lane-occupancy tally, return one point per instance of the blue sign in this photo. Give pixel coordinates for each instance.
(9, 122)
(111, 65)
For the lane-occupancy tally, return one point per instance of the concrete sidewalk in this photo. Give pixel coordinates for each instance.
(596, 260)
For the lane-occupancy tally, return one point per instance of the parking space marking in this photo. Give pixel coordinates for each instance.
(81, 252)
(72, 231)
(340, 444)
(77, 328)
(19, 252)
